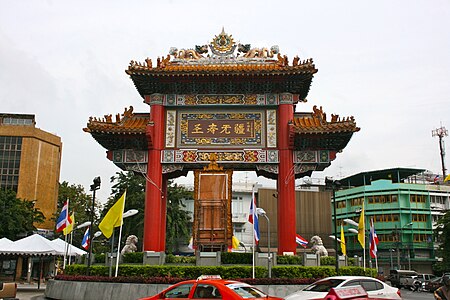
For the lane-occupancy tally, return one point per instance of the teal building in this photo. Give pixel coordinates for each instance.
(403, 203)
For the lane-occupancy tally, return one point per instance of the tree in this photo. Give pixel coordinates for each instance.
(18, 216)
(442, 234)
(80, 203)
(177, 227)
(135, 187)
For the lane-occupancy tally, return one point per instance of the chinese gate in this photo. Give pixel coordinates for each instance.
(229, 102)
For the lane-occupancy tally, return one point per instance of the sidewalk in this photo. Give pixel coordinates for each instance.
(30, 291)
(30, 286)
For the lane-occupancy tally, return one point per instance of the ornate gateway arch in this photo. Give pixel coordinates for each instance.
(230, 100)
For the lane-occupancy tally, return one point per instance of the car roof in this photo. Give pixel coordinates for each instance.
(204, 281)
(348, 277)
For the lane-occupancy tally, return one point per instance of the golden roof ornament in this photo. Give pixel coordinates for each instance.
(223, 44)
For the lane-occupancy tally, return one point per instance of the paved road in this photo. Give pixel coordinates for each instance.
(33, 293)
(409, 295)
(30, 292)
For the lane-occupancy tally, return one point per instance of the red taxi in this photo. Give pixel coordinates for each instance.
(211, 287)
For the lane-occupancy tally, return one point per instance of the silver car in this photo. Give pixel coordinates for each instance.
(319, 289)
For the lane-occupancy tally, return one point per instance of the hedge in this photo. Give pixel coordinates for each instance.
(228, 272)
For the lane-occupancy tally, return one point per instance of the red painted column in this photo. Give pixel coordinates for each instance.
(153, 189)
(163, 225)
(286, 180)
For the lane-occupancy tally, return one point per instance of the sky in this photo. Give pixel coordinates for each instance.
(387, 63)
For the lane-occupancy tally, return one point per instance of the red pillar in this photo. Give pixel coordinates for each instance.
(153, 213)
(286, 183)
(163, 225)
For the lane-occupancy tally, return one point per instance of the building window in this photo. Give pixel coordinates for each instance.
(422, 238)
(386, 218)
(17, 121)
(357, 201)
(437, 199)
(418, 198)
(419, 218)
(10, 153)
(381, 199)
(341, 204)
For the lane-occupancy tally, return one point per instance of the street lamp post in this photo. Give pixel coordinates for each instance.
(399, 235)
(260, 211)
(94, 186)
(334, 184)
(390, 253)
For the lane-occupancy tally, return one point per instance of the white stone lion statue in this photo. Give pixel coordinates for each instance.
(130, 245)
(318, 247)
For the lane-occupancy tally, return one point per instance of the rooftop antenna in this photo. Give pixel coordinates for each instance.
(441, 133)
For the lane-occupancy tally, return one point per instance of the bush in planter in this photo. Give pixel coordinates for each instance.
(290, 259)
(170, 271)
(328, 261)
(175, 259)
(231, 258)
(133, 258)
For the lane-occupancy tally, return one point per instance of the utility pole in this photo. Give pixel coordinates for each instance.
(441, 133)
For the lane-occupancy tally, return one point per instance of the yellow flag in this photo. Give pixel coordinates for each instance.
(447, 178)
(113, 217)
(362, 229)
(68, 229)
(235, 242)
(343, 246)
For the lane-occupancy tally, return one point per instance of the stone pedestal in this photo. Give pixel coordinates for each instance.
(208, 258)
(342, 261)
(311, 260)
(261, 259)
(154, 258)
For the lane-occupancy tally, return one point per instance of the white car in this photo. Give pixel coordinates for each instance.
(319, 289)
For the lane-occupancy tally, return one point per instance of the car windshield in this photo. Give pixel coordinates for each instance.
(245, 291)
(323, 285)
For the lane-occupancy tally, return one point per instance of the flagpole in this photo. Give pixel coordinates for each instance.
(253, 234)
(120, 236)
(376, 262)
(65, 251)
(70, 246)
(65, 237)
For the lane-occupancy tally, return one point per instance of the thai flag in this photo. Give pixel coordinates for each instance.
(253, 218)
(300, 240)
(86, 239)
(436, 179)
(373, 240)
(64, 218)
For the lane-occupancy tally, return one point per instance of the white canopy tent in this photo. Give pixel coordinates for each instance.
(38, 245)
(5, 242)
(71, 249)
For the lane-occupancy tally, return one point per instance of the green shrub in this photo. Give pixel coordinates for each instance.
(99, 257)
(351, 261)
(328, 261)
(233, 258)
(170, 271)
(226, 272)
(290, 259)
(133, 257)
(302, 272)
(175, 259)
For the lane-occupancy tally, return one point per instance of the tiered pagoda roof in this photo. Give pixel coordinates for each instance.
(309, 131)
(127, 131)
(223, 67)
(312, 131)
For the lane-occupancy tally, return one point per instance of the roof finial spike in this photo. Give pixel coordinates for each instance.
(223, 31)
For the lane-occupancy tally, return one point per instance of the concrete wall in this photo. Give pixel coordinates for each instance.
(76, 290)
